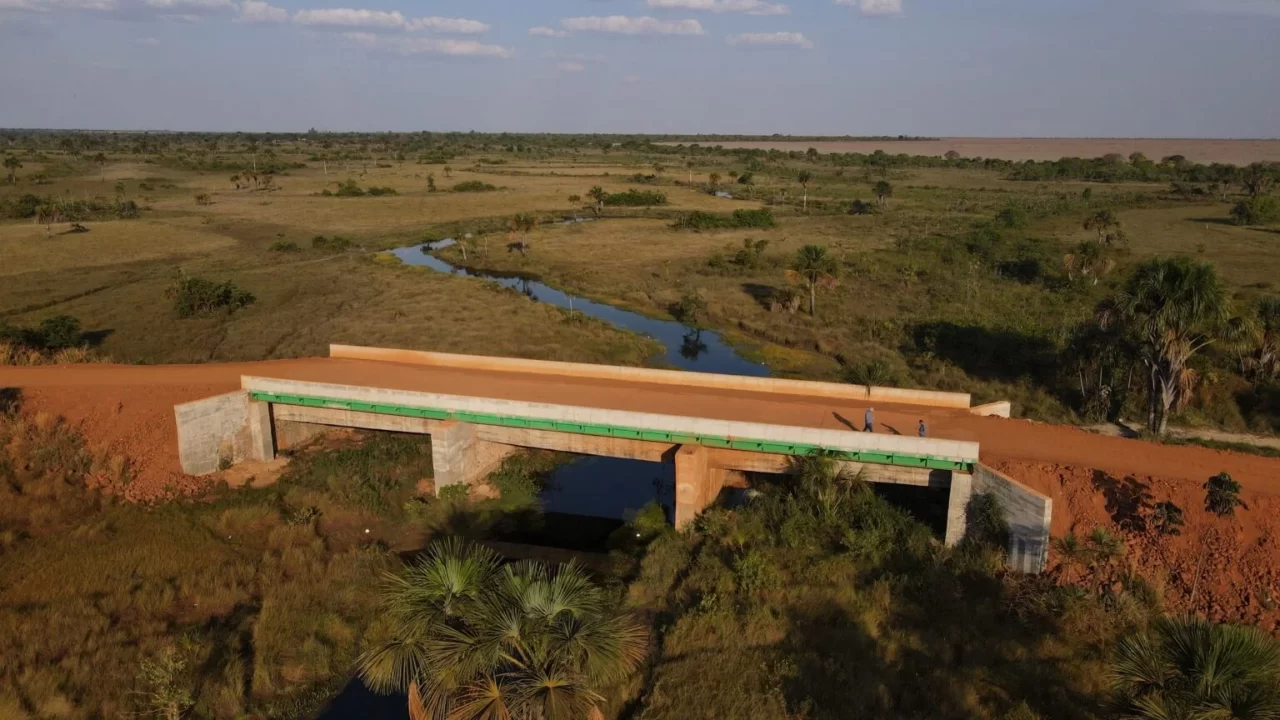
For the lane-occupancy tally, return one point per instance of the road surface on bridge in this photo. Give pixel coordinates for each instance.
(131, 406)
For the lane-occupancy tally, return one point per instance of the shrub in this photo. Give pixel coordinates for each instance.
(333, 244)
(636, 198)
(349, 189)
(698, 220)
(203, 199)
(1261, 210)
(194, 296)
(1222, 495)
(55, 333)
(473, 186)
(285, 246)
(376, 191)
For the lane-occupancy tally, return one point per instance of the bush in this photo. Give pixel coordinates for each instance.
(376, 191)
(1261, 210)
(194, 296)
(698, 220)
(285, 246)
(349, 189)
(473, 186)
(55, 333)
(635, 198)
(333, 244)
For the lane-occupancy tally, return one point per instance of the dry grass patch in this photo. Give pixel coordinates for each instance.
(26, 248)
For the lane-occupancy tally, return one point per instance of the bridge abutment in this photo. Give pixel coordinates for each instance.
(459, 457)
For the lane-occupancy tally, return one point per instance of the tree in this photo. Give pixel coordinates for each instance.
(715, 179)
(689, 166)
(1172, 308)
(1107, 226)
(431, 182)
(1263, 363)
(598, 194)
(883, 190)
(804, 177)
(952, 155)
(101, 160)
(813, 266)
(657, 169)
(448, 171)
(1190, 668)
(1259, 210)
(473, 639)
(1256, 179)
(11, 165)
(1222, 495)
(1088, 260)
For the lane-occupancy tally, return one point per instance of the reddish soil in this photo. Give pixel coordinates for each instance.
(1094, 480)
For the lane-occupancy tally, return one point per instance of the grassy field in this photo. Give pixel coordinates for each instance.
(923, 294)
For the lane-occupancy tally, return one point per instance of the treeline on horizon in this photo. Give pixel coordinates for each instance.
(193, 149)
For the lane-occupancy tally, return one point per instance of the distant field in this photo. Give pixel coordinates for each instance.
(1236, 152)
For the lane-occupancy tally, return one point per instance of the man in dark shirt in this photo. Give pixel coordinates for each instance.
(869, 420)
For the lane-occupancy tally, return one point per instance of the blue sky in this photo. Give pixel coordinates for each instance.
(1115, 68)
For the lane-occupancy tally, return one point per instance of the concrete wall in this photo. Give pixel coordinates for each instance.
(661, 377)
(1000, 408)
(833, 439)
(217, 431)
(1028, 513)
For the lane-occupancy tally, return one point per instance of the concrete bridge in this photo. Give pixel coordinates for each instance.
(713, 428)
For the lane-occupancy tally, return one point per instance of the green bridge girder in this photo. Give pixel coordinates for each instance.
(929, 462)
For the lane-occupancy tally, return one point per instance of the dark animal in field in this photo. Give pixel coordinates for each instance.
(520, 247)
(78, 228)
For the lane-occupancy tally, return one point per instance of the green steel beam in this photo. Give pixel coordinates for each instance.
(714, 441)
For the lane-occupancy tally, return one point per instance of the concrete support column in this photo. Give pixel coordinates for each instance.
(458, 457)
(697, 483)
(262, 442)
(958, 507)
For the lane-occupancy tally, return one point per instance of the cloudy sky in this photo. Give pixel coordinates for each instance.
(1158, 68)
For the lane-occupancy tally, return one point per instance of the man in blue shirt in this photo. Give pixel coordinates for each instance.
(869, 420)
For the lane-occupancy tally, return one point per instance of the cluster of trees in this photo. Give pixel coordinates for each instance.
(54, 333)
(48, 211)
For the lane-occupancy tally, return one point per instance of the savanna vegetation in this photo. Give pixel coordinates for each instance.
(1086, 290)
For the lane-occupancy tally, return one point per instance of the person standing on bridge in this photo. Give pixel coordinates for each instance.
(922, 431)
(869, 420)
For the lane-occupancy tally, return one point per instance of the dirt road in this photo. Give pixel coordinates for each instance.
(131, 407)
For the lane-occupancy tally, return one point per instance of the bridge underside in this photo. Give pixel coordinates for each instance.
(465, 453)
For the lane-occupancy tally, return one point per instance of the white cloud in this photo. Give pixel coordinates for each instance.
(875, 7)
(56, 5)
(794, 39)
(541, 31)
(428, 46)
(256, 11)
(623, 25)
(190, 10)
(750, 7)
(348, 17)
(382, 20)
(571, 67)
(456, 26)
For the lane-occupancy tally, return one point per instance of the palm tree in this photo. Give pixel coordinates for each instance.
(715, 179)
(598, 194)
(1264, 362)
(11, 165)
(1089, 260)
(813, 266)
(473, 639)
(883, 190)
(1172, 308)
(1071, 551)
(1189, 668)
(804, 177)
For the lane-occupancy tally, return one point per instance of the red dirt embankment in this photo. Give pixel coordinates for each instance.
(1229, 568)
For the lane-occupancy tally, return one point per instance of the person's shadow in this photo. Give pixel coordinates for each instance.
(846, 422)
